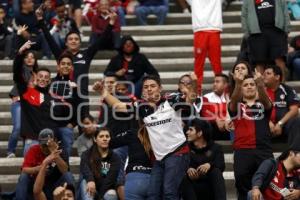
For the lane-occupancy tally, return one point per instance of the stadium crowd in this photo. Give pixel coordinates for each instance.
(147, 144)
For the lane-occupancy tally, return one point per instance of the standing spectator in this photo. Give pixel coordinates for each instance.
(130, 64)
(36, 101)
(139, 165)
(278, 179)
(266, 23)
(293, 58)
(89, 10)
(147, 7)
(62, 24)
(204, 179)
(85, 140)
(215, 108)
(6, 35)
(82, 58)
(285, 119)
(30, 66)
(99, 167)
(40, 156)
(160, 115)
(207, 27)
(27, 17)
(250, 109)
(99, 23)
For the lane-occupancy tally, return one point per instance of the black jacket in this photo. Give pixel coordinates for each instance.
(212, 154)
(137, 67)
(36, 104)
(106, 181)
(138, 160)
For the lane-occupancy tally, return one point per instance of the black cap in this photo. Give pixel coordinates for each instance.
(44, 135)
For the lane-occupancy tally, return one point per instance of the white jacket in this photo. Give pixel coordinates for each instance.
(206, 15)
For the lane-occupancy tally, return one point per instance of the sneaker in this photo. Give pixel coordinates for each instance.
(186, 11)
(11, 155)
(6, 58)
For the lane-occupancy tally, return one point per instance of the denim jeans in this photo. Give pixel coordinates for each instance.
(136, 186)
(65, 135)
(143, 11)
(24, 188)
(59, 41)
(109, 195)
(16, 120)
(121, 12)
(28, 143)
(168, 174)
(296, 68)
(122, 152)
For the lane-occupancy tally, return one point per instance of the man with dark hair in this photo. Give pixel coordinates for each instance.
(250, 110)
(215, 108)
(278, 179)
(285, 121)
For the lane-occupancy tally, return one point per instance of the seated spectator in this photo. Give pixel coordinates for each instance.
(130, 64)
(250, 109)
(285, 121)
(62, 24)
(43, 161)
(89, 10)
(293, 58)
(75, 11)
(124, 7)
(215, 108)
(147, 7)
(204, 179)
(278, 179)
(85, 140)
(6, 35)
(99, 167)
(27, 17)
(99, 23)
(65, 192)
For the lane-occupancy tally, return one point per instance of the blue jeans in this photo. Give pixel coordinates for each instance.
(16, 120)
(143, 11)
(168, 175)
(59, 41)
(296, 68)
(65, 135)
(136, 186)
(122, 152)
(121, 12)
(25, 184)
(86, 196)
(28, 143)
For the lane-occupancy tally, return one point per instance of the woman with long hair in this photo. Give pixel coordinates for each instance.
(99, 168)
(139, 166)
(162, 119)
(30, 67)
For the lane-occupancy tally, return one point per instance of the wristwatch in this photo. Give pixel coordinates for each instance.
(280, 123)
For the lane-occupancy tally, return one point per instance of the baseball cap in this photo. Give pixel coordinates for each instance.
(44, 135)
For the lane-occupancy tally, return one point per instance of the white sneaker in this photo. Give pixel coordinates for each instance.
(11, 155)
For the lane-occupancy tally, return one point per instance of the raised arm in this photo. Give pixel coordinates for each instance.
(262, 94)
(110, 99)
(236, 94)
(101, 41)
(55, 49)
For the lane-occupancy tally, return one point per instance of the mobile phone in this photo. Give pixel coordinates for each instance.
(284, 192)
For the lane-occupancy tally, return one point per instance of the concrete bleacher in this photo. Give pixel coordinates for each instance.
(169, 48)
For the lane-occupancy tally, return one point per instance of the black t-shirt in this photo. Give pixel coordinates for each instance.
(265, 10)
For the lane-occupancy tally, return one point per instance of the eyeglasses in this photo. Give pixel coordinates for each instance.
(185, 82)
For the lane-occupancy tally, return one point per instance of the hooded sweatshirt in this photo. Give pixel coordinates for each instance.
(206, 15)
(136, 68)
